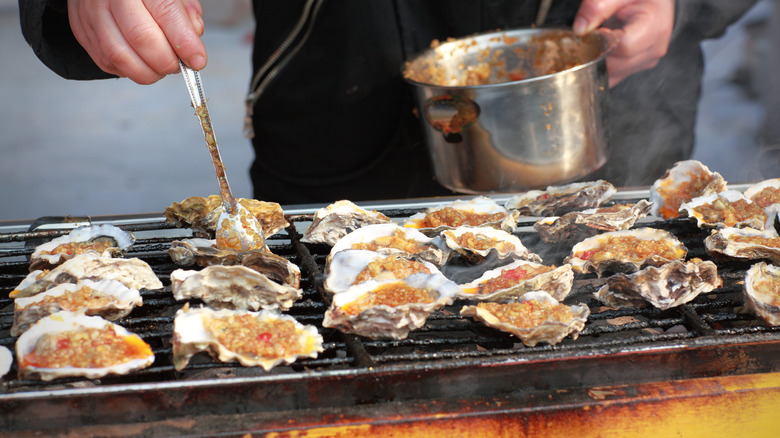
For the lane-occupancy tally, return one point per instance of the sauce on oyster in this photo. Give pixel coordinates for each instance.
(398, 240)
(510, 277)
(628, 247)
(392, 294)
(730, 213)
(453, 217)
(73, 248)
(675, 195)
(86, 348)
(482, 242)
(246, 334)
(767, 197)
(529, 313)
(390, 267)
(772, 242)
(80, 299)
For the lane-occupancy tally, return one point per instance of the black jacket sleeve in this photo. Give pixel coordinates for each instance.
(703, 19)
(46, 29)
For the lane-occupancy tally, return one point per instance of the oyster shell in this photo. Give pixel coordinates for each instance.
(232, 287)
(684, 181)
(392, 239)
(577, 225)
(727, 209)
(280, 338)
(339, 219)
(361, 310)
(6, 360)
(201, 214)
(347, 266)
(476, 244)
(107, 240)
(765, 193)
(518, 278)
(667, 286)
(63, 331)
(620, 251)
(109, 299)
(132, 272)
(541, 318)
(480, 211)
(559, 200)
(744, 243)
(762, 292)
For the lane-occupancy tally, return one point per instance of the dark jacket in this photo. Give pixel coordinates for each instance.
(338, 122)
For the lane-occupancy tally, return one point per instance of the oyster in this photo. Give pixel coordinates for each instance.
(232, 287)
(765, 193)
(109, 299)
(684, 181)
(476, 244)
(339, 219)
(666, 286)
(577, 225)
(477, 212)
(727, 209)
(744, 243)
(625, 251)
(762, 292)
(266, 338)
(6, 360)
(559, 200)
(389, 309)
(515, 279)
(392, 239)
(353, 266)
(106, 240)
(62, 345)
(133, 273)
(536, 317)
(201, 214)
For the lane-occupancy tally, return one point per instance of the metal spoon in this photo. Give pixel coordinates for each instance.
(237, 227)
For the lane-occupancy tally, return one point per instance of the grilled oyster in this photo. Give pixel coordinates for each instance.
(63, 345)
(392, 239)
(670, 285)
(625, 251)
(232, 287)
(133, 273)
(536, 317)
(266, 338)
(727, 209)
(762, 292)
(765, 193)
(684, 181)
(559, 200)
(577, 225)
(744, 243)
(476, 244)
(354, 266)
(107, 240)
(480, 211)
(109, 299)
(6, 360)
(339, 219)
(201, 214)
(389, 309)
(518, 278)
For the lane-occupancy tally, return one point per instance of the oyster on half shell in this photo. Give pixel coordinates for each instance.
(727, 209)
(202, 213)
(577, 225)
(480, 211)
(339, 219)
(765, 193)
(744, 244)
(354, 266)
(393, 239)
(511, 281)
(477, 243)
(559, 200)
(684, 181)
(107, 240)
(762, 292)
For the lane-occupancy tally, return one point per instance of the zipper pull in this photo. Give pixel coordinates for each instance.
(249, 106)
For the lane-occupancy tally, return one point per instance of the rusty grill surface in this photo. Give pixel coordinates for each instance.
(451, 356)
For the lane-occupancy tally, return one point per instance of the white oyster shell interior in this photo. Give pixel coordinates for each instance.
(335, 221)
(346, 265)
(762, 292)
(122, 241)
(431, 249)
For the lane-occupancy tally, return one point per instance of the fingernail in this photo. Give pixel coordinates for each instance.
(197, 62)
(580, 26)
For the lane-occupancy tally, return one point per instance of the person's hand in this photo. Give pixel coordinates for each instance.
(643, 28)
(140, 39)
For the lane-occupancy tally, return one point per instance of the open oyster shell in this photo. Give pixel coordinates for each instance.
(557, 281)
(765, 193)
(201, 214)
(578, 225)
(345, 266)
(46, 330)
(617, 251)
(727, 209)
(107, 240)
(667, 286)
(559, 200)
(480, 211)
(549, 329)
(392, 239)
(476, 244)
(232, 287)
(762, 292)
(339, 219)
(684, 181)
(383, 321)
(199, 330)
(132, 272)
(109, 299)
(6, 360)
(744, 244)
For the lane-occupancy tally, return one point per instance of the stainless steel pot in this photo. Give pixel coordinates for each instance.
(513, 110)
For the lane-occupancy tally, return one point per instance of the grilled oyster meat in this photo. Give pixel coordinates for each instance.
(480, 211)
(202, 213)
(106, 240)
(393, 239)
(266, 338)
(744, 244)
(684, 181)
(63, 345)
(666, 286)
(232, 287)
(559, 200)
(625, 251)
(727, 209)
(536, 317)
(477, 243)
(335, 221)
(578, 225)
(762, 292)
(354, 266)
(765, 193)
(512, 281)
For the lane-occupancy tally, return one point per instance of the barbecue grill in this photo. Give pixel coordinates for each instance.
(708, 364)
